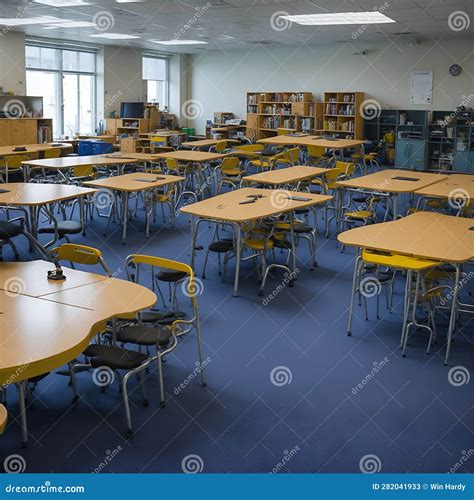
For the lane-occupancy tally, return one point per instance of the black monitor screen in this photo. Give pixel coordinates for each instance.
(132, 110)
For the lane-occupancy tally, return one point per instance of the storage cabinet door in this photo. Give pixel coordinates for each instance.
(5, 132)
(31, 132)
(18, 132)
(417, 154)
(402, 154)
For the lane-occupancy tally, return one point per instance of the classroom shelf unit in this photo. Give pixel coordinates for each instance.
(271, 112)
(342, 115)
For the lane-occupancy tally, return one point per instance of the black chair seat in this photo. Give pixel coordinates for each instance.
(170, 276)
(283, 244)
(116, 358)
(144, 335)
(164, 318)
(9, 230)
(302, 229)
(64, 227)
(302, 211)
(221, 246)
(381, 277)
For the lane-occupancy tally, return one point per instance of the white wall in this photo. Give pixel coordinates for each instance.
(178, 68)
(12, 62)
(219, 80)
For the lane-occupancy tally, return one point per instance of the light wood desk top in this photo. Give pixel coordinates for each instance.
(31, 148)
(3, 418)
(135, 156)
(41, 334)
(423, 234)
(163, 133)
(339, 143)
(386, 181)
(452, 186)
(290, 140)
(21, 194)
(74, 161)
(29, 278)
(286, 175)
(105, 137)
(227, 207)
(193, 156)
(130, 182)
(202, 143)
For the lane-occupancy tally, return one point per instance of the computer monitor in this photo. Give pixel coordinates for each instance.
(132, 110)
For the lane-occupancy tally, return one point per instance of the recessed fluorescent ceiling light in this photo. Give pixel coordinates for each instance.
(129, 1)
(179, 42)
(62, 3)
(115, 36)
(69, 24)
(372, 17)
(16, 21)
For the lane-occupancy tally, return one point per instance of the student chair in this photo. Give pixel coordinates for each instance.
(80, 254)
(52, 153)
(3, 418)
(219, 246)
(269, 162)
(315, 156)
(11, 165)
(230, 172)
(9, 230)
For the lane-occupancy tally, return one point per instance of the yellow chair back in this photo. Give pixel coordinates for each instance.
(221, 146)
(172, 164)
(229, 163)
(3, 418)
(316, 151)
(52, 153)
(346, 167)
(251, 147)
(293, 155)
(80, 254)
(83, 170)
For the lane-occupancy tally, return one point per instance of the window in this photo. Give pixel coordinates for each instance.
(155, 72)
(67, 81)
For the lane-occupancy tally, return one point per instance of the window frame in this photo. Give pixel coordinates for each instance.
(166, 80)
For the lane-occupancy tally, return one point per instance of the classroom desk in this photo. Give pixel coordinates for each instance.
(135, 183)
(73, 161)
(29, 149)
(392, 182)
(227, 208)
(290, 140)
(459, 188)
(146, 157)
(41, 333)
(206, 143)
(425, 235)
(34, 196)
(286, 176)
(106, 138)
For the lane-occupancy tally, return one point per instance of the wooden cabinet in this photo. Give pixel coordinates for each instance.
(19, 131)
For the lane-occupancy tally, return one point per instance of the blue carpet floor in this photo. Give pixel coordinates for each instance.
(288, 390)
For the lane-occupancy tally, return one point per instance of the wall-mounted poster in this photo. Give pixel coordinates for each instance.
(421, 87)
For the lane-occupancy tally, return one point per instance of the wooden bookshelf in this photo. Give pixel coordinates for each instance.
(341, 114)
(293, 111)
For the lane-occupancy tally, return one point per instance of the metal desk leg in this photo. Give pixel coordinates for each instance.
(237, 258)
(355, 279)
(395, 205)
(125, 216)
(81, 214)
(293, 246)
(193, 240)
(406, 306)
(452, 319)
